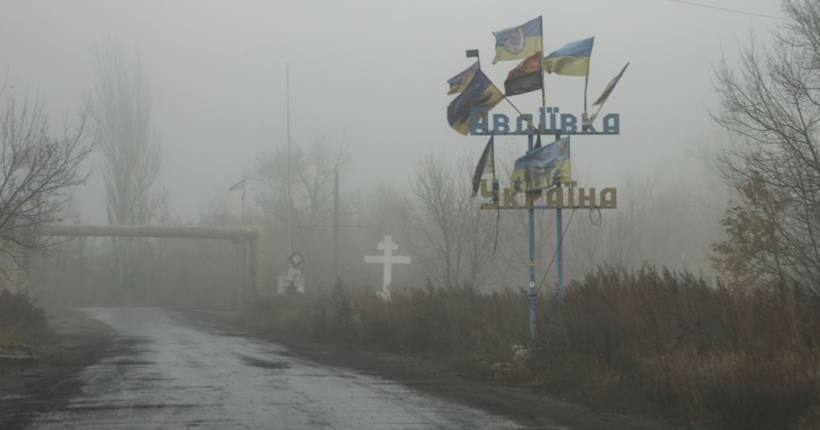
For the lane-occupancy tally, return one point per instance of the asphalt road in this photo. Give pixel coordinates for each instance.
(167, 372)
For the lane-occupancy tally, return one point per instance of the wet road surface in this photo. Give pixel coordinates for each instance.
(170, 373)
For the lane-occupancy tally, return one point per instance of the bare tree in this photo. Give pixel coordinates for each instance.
(311, 179)
(772, 98)
(119, 109)
(36, 173)
(450, 237)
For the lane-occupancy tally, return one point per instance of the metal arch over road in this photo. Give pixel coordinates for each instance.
(252, 234)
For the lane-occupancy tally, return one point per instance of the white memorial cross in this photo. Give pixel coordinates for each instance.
(388, 259)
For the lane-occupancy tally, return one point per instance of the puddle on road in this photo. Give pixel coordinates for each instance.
(264, 364)
(132, 362)
(115, 407)
(14, 397)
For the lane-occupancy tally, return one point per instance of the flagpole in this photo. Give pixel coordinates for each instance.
(244, 190)
(541, 61)
(600, 106)
(473, 53)
(289, 202)
(511, 104)
(603, 102)
(495, 199)
(531, 211)
(586, 79)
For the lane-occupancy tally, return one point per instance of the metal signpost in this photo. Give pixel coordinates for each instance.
(608, 199)
(540, 169)
(551, 123)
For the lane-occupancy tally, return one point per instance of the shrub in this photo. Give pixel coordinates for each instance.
(694, 350)
(20, 318)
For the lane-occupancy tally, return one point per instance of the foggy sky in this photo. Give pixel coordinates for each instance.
(373, 72)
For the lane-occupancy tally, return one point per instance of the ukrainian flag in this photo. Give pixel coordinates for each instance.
(609, 87)
(515, 43)
(542, 167)
(480, 92)
(571, 60)
(459, 82)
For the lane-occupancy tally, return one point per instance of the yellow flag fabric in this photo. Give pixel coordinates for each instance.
(571, 60)
(519, 42)
(543, 167)
(609, 87)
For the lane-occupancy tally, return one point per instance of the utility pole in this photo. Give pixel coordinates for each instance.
(336, 224)
(290, 201)
(80, 241)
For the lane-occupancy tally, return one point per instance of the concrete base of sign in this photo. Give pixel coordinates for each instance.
(293, 283)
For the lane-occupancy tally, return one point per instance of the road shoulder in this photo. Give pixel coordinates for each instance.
(450, 378)
(48, 382)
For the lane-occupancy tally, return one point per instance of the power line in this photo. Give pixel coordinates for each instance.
(731, 10)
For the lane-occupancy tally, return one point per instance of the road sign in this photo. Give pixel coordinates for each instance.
(296, 259)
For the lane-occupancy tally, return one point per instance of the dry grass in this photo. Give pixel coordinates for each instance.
(690, 350)
(749, 360)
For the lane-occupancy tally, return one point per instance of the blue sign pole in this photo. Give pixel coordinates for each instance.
(531, 213)
(482, 124)
(559, 228)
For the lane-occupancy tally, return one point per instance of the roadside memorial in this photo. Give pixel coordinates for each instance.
(388, 260)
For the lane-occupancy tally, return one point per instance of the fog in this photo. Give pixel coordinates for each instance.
(266, 214)
(373, 74)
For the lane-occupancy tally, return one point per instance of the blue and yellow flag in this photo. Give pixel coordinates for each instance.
(542, 167)
(486, 164)
(601, 100)
(609, 87)
(571, 60)
(479, 92)
(515, 43)
(460, 81)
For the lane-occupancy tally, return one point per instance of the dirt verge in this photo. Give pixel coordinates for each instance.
(29, 387)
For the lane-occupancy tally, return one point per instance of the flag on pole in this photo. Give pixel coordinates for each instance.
(525, 77)
(239, 186)
(571, 60)
(486, 164)
(543, 167)
(460, 81)
(480, 92)
(609, 87)
(519, 42)
(601, 100)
